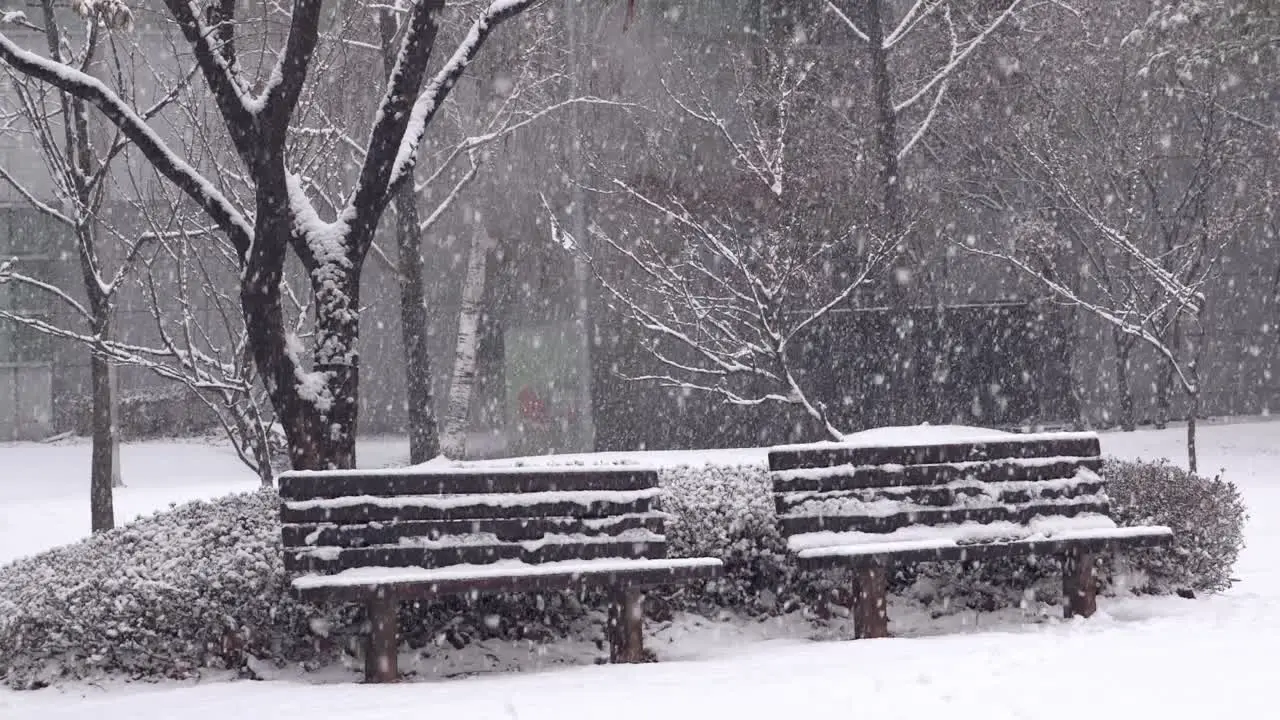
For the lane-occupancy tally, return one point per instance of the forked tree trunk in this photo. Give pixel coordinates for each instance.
(454, 442)
(317, 409)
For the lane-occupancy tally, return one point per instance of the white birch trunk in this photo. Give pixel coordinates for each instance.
(453, 442)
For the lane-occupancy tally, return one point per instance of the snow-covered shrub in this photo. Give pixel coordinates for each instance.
(200, 585)
(1207, 517)
(203, 585)
(727, 512)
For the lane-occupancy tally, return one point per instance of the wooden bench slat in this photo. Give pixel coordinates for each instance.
(851, 477)
(787, 502)
(505, 529)
(794, 525)
(1072, 445)
(334, 484)
(983, 551)
(643, 575)
(291, 513)
(335, 559)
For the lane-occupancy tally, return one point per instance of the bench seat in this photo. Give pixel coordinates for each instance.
(505, 576)
(1046, 535)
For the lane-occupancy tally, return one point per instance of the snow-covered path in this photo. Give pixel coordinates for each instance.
(1162, 657)
(1212, 659)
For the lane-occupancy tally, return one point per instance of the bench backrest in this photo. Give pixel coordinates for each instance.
(838, 488)
(339, 520)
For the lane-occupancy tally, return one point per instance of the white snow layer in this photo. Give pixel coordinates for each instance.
(901, 436)
(1138, 657)
(506, 500)
(931, 537)
(501, 568)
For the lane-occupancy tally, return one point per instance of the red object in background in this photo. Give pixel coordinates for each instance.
(531, 406)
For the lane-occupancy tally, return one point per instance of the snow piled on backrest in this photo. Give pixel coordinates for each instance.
(923, 435)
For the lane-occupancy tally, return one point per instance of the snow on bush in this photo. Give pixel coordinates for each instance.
(727, 512)
(201, 586)
(1207, 517)
(197, 586)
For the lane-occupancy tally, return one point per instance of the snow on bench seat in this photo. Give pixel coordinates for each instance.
(502, 569)
(967, 535)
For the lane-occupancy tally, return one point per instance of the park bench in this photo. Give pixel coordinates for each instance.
(868, 508)
(380, 537)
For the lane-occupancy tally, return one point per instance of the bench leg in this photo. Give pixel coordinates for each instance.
(380, 655)
(871, 603)
(626, 627)
(1079, 585)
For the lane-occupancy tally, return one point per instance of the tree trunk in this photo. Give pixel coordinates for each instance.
(1192, 464)
(1124, 350)
(892, 222)
(305, 420)
(583, 440)
(454, 442)
(886, 121)
(1165, 379)
(424, 437)
(101, 503)
(117, 479)
(337, 297)
(1193, 406)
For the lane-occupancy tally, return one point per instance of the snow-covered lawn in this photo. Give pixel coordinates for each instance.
(1150, 657)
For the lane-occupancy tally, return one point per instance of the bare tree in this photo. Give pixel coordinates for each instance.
(57, 126)
(479, 122)
(318, 406)
(1140, 223)
(725, 284)
(914, 52)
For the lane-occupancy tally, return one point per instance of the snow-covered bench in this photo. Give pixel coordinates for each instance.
(867, 506)
(386, 536)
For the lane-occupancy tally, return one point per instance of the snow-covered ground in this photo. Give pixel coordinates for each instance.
(1150, 657)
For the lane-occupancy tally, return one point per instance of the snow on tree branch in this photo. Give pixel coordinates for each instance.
(435, 91)
(94, 92)
(113, 14)
(721, 307)
(965, 49)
